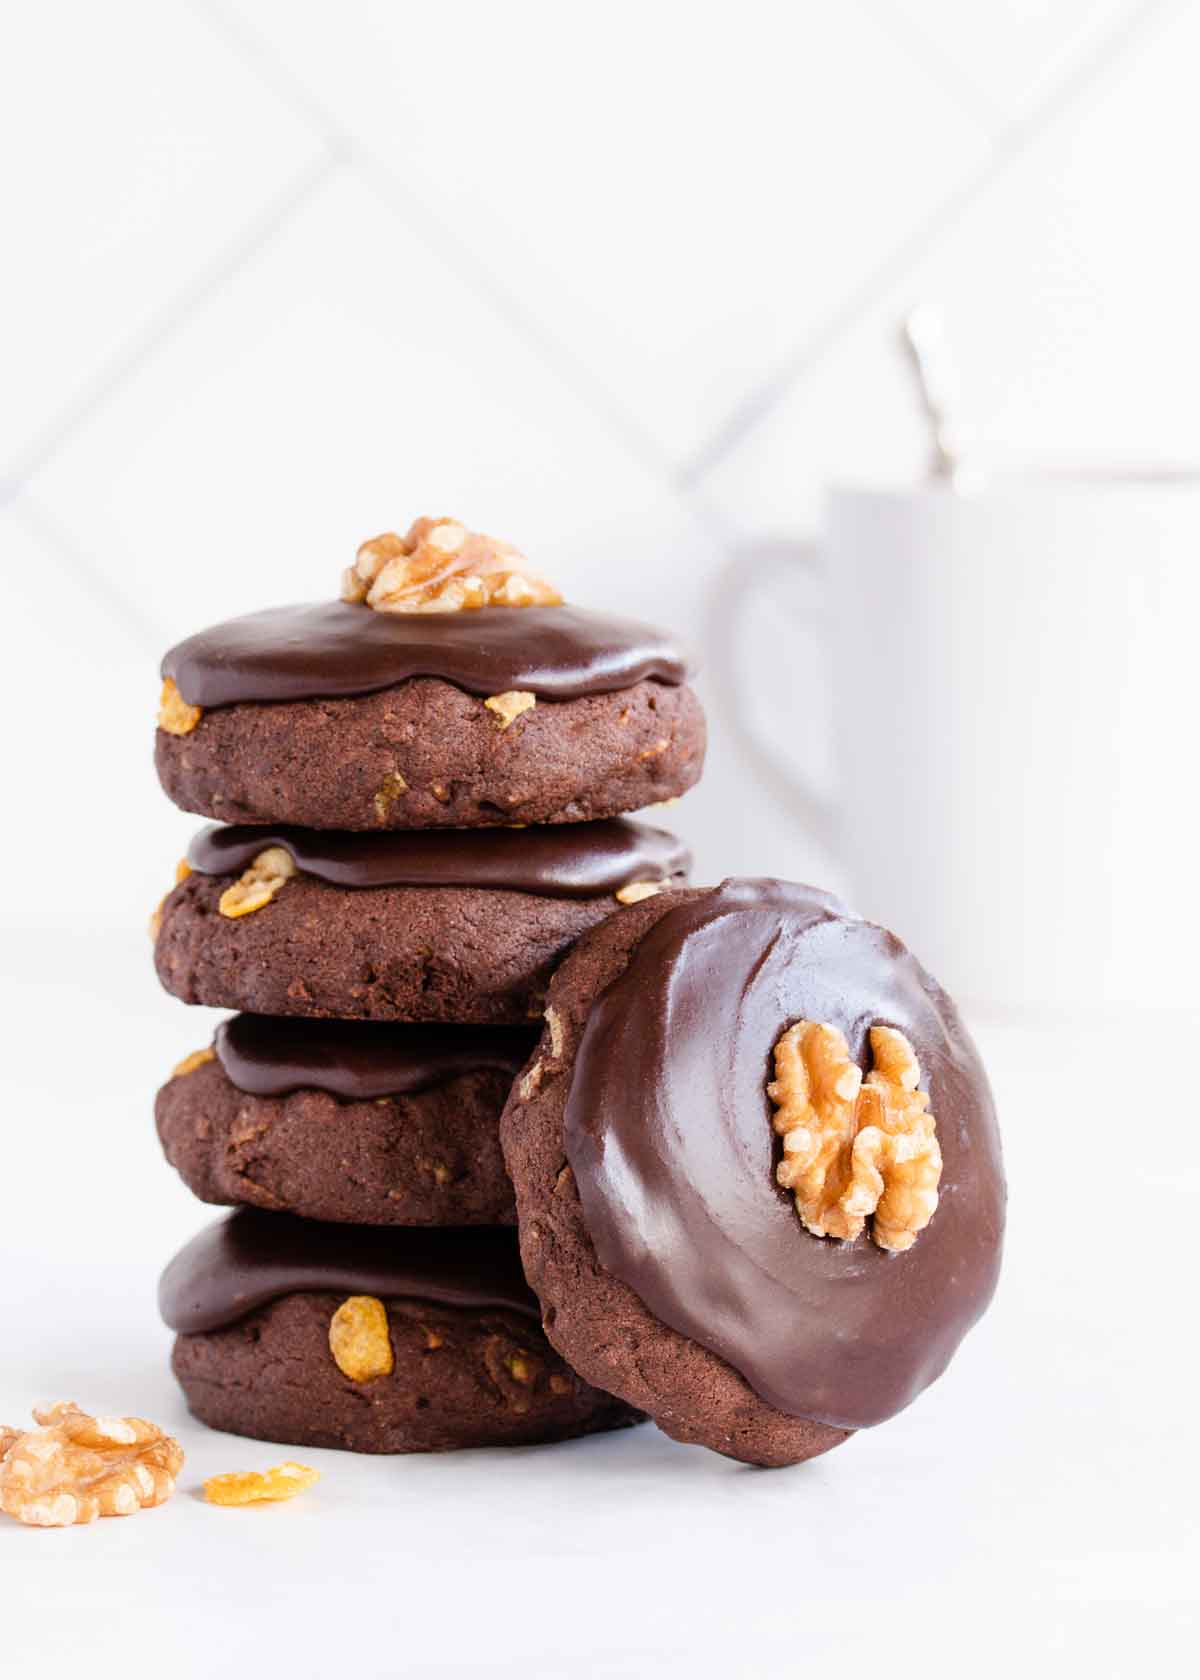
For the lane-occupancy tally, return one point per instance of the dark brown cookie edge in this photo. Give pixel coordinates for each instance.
(461, 1379)
(459, 955)
(426, 754)
(597, 1322)
(429, 1157)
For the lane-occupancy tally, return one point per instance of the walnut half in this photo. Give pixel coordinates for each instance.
(855, 1148)
(440, 566)
(75, 1468)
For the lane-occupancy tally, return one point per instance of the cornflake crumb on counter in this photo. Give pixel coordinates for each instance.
(258, 1487)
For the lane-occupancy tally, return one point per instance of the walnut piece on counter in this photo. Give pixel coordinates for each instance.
(256, 1487)
(174, 713)
(508, 707)
(74, 1468)
(440, 566)
(259, 884)
(359, 1340)
(855, 1149)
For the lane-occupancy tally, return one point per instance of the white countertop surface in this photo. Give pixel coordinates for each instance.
(1036, 1507)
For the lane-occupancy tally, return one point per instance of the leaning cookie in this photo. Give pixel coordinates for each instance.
(757, 1171)
(375, 1341)
(427, 700)
(355, 1122)
(463, 927)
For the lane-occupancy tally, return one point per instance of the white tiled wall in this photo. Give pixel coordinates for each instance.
(619, 282)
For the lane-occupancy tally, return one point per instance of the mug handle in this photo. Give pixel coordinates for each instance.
(743, 579)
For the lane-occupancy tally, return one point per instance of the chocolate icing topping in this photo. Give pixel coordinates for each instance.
(268, 1056)
(250, 1258)
(568, 860)
(329, 649)
(668, 1132)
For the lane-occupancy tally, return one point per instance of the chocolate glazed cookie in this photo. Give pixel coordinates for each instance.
(463, 928)
(335, 716)
(347, 1121)
(672, 1267)
(378, 1342)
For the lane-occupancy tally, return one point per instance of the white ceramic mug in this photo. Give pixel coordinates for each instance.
(1012, 680)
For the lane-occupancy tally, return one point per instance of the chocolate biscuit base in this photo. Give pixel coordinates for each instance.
(616, 1339)
(427, 754)
(450, 954)
(463, 1377)
(671, 1264)
(427, 1157)
(449, 1353)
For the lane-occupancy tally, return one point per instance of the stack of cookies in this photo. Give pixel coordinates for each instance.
(419, 792)
(527, 1137)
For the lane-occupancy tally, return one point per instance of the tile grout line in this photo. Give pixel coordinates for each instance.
(97, 582)
(757, 406)
(925, 51)
(683, 478)
(257, 56)
(168, 321)
(575, 373)
(341, 149)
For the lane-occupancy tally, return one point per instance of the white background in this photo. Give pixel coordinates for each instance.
(619, 283)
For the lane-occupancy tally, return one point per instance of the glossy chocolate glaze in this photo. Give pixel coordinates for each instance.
(668, 1131)
(250, 1258)
(329, 649)
(571, 860)
(268, 1055)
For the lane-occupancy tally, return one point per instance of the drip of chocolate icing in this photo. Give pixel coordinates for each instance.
(668, 1132)
(268, 1055)
(251, 1258)
(331, 649)
(568, 860)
